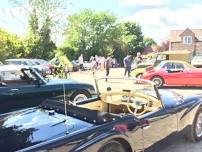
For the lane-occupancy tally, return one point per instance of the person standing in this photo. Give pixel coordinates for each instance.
(127, 64)
(108, 63)
(93, 65)
(66, 72)
(138, 58)
(80, 62)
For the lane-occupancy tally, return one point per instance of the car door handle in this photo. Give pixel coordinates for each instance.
(12, 91)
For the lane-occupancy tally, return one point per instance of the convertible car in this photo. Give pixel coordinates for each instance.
(175, 73)
(22, 87)
(127, 115)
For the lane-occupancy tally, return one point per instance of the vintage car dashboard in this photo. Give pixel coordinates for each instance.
(125, 102)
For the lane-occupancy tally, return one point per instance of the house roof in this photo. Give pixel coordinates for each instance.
(175, 34)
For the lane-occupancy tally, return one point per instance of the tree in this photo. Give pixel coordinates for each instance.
(10, 45)
(44, 18)
(132, 37)
(164, 46)
(148, 42)
(91, 33)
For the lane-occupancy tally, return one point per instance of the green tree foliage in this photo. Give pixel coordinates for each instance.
(44, 18)
(90, 33)
(39, 43)
(148, 42)
(132, 37)
(10, 45)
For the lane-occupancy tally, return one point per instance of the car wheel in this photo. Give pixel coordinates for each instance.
(139, 75)
(158, 81)
(195, 133)
(112, 146)
(80, 96)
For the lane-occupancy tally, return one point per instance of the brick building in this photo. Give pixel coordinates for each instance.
(188, 39)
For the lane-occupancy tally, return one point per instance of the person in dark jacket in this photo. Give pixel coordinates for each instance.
(127, 64)
(108, 63)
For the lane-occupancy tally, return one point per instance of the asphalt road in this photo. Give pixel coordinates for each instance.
(181, 144)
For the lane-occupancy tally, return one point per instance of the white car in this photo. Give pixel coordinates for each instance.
(197, 61)
(86, 65)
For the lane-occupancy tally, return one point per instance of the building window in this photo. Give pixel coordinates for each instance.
(187, 40)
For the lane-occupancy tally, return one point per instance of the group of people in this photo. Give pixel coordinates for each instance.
(128, 61)
(99, 62)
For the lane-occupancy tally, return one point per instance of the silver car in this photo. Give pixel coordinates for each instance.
(197, 61)
(29, 62)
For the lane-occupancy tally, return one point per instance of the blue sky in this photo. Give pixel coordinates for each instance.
(156, 17)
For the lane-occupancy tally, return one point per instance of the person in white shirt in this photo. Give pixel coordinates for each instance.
(66, 72)
(81, 62)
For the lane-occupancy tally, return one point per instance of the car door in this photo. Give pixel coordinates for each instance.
(194, 77)
(176, 74)
(162, 126)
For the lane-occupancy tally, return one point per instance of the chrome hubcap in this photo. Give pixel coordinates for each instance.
(198, 127)
(157, 81)
(139, 75)
(80, 97)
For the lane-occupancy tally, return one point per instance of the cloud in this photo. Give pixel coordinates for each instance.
(158, 22)
(151, 3)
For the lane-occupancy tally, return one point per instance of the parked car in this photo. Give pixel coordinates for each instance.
(154, 59)
(121, 119)
(22, 87)
(197, 61)
(31, 63)
(45, 63)
(76, 66)
(177, 73)
(86, 65)
(138, 70)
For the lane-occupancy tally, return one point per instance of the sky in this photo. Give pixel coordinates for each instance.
(156, 17)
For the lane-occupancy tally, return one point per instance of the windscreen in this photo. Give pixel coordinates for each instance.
(126, 85)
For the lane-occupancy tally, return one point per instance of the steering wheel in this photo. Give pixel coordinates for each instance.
(134, 108)
(137, 108)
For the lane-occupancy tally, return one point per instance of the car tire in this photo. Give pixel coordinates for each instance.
(112, 146)
(139, 75)
(195, 131)
(79, 96)
(158, 81)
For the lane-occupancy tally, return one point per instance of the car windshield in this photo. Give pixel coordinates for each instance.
(126, 85)
(197, 58)
(161, 64)
(31, 63)
(189, 66)
(168, 65)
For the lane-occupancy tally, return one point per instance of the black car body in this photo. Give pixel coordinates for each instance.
(23, 87)
(88, 127)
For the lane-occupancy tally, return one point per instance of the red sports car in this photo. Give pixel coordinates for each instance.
(175, 73)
